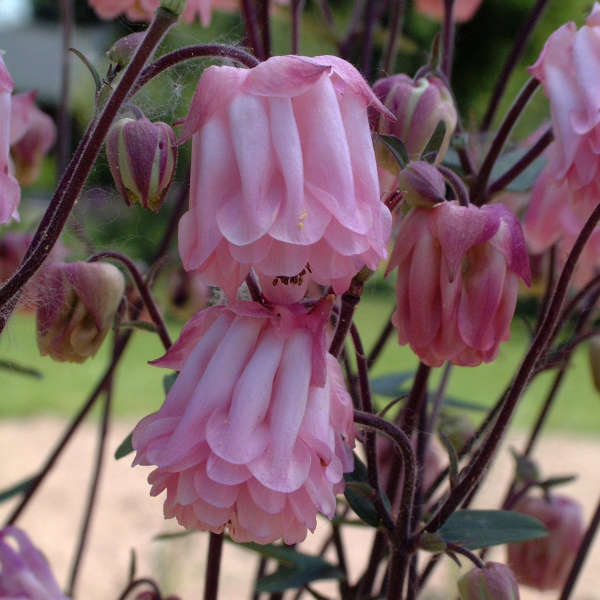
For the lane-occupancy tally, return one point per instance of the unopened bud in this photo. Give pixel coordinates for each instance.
(78, 304)
(421, 184)
(142, 157)
(544, 563)
(493, 582)
(457, 428)
(175, 6)
(122, 51)
(420, 107)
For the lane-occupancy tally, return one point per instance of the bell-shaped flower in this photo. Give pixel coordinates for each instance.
(142, 157)
(31, 139)
(569, 70)
(255, 434)
(24, 572)
(458, 277)
(10, 192)
(544, 563)
(78, 303)
(495, 581)
(283, 176)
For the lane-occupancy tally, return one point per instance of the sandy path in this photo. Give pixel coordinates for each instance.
(127, 517)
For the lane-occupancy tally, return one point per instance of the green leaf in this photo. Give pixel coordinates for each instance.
(143, 325)
(397, 148)
(452, 456)
(161, 537)
(168, 381)
(124, 448)
(554, 481)
(18, 488)
(355, 492)
(10, 365)
(391, 384)
(476, 529)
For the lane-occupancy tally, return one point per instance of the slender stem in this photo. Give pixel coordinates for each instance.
(93, 491)
(144, 291)
(254, 288)
(379, 345)
(371, 441)
(416, 398)
(138, 583)
(475, 469)
(465, 552)
(511, 62)
(61, 205)
(341, 555)
(550, 281)
(458, 185)
(365, 583)
(582, 552)
(251, 24)
(350, 300)
(367, 42)
(260, 571)
(522, 164)
(448, 39)
(215, 548)
(480, 185)
(297, 6)
(264, 10)
(166, 61)
(439, 398)
(572, 304)
(64, 120)
(396, 21)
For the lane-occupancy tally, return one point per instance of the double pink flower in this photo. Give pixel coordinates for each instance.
(256, 432)
(283, 176)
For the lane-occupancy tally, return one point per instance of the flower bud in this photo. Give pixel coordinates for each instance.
(122, 51)
(494, 582)
(419, 107)
(545, 563)
(78, 304)
(421, 184)
(142, 156)
(457, 428)
(594, 356)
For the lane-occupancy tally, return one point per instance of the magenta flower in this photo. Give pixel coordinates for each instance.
(569, 70)
(283, 178)
(255, 434)
(545, 563)
(458, 276)
(24, 572)
(10, 192)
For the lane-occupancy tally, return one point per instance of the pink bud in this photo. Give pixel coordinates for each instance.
(421, 184)
(545, 563)
(78, 304)
(142, 156)
(32, 140)
(493, 582)
(419, 107)
(434, 9)
(24, 572)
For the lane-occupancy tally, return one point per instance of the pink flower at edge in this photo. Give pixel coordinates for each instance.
(464, 10)
(256, 432)
(283, 175)
(24, 572)
(10, 192)
(458, 274)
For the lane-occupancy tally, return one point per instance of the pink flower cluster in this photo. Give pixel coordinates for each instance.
(256, 432)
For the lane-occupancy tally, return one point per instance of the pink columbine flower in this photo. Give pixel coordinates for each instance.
(464, 10)
(569, 71)
(495, 581)
(255, 434)
(24, 572)
(33, 133)
(545, 563)
(458, 276)
(10, 192)
(283, 176)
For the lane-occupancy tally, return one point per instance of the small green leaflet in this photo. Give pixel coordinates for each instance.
(124, 448)
(18, 488)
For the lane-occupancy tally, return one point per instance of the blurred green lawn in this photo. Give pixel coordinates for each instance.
(139, 386)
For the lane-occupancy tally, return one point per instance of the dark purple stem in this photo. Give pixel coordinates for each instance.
(478, 190)
(475, 469)
(264, 23)
(144, 291)
(137, 583)
(511, 62)
(396, 20)
(64, 121)
(458, 185)
(448, 39)
(381, 341)
(367, 43)
(251, 24)
(211, 585)
(536, 150)
(465, 552)
(350, 300)
(417, 396)
(62, 204)
(297, 6)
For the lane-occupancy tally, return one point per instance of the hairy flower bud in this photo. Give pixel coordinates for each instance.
(545, 563)
(494, 582)
(420, 107)
(142, 156)
(24, 572)
(78, 304)
(122, 51)
(421, 184)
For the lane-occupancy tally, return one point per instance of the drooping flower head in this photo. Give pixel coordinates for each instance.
(24, 572)
(458, 276)
(569, 71)
(495, 581)
(544, 563)
(255, 434)
(10, 192)
(283, 176)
